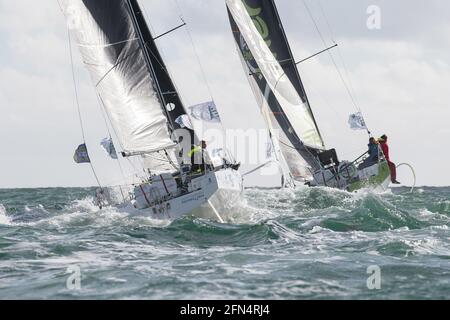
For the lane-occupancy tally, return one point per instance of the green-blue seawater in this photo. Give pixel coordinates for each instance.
(284, 244)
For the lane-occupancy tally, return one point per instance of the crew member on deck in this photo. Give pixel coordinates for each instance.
(198, 155)
(392, 166)
(373, 154)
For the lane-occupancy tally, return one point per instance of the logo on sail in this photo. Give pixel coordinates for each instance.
(263, 29)
(205, 112)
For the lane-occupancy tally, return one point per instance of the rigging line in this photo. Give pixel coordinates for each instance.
(333, 37)
(257, 168)
(307, 149)
(202, 69)
(102, 111)
(303, 94)
(170, 31)
(157, 158)
(194, 48)
(107, 45)
(105, 115)
(163, 160)
(152, 32)
(133, 166)
(327, 22)
(60, 6)
(298, 138)
(148, 62)
(161, 53)
(166, 70)
(163, 99)
(144, 168)
(326, 102)
(332, 57)
(147, 19)
(116, 64)
(170, 160)
(77, 100)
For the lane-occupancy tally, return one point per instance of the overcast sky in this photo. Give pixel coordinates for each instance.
(400, 75)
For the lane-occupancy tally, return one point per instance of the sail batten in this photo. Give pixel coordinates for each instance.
(274, 78)
(109, 45)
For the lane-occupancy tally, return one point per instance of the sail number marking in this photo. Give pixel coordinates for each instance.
(256, 310)
(253, 310)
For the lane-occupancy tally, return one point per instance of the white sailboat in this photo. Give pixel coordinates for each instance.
(144, 109)
(274, 78)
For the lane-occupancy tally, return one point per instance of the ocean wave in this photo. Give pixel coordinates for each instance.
(337, 210)
(4, 218)
(299, 210)
(282, 244)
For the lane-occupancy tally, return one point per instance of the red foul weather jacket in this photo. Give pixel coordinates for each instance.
(385, 149)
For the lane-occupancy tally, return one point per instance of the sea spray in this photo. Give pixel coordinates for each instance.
(4, 219)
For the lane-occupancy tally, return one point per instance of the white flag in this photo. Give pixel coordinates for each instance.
(108, 145)
(356, 121)
(205, 111)
(184, 121)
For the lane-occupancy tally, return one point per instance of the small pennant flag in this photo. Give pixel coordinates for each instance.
(81, 155)
(356, 121)
(184, 121)
(108, 145)
(205, 111)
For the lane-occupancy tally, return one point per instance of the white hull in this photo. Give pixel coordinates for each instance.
(226, 200)
(222, 189)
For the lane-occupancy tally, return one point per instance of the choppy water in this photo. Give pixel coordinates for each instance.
(302, 244)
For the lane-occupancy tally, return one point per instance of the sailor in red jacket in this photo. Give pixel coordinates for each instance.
(392, 166)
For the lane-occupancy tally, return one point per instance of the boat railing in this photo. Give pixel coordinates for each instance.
(346, 167)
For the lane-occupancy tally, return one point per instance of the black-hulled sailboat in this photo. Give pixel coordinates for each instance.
(144, 109)
(276, 83)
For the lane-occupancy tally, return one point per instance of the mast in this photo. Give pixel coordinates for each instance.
(167, 92)
(135, 12)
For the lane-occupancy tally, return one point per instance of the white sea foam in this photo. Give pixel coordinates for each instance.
(107, 216)
(427, 215)
(427, 246)
(4, 219)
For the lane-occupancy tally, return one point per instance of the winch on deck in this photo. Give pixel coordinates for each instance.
(328, 158)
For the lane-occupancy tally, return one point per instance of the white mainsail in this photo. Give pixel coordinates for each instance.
(111, 51)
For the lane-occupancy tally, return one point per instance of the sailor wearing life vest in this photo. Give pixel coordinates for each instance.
(198, 157)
